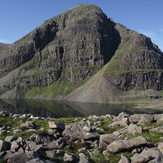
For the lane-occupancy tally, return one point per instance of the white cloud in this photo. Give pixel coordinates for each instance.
(4, 41)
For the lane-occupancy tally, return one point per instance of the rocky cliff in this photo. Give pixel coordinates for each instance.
(62, 54)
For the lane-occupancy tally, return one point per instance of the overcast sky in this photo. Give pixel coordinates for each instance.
(19, 17)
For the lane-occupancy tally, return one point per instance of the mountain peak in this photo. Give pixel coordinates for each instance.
(62, 54)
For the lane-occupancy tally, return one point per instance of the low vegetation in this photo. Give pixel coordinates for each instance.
(94, 150)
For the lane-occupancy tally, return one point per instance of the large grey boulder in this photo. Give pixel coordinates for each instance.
(39, 149)
(121, 145)
(56, 125)
(138, 158)
(75, 132)
(141, 118)
(107, 138)
(21, 157)
(160, 147)
(57, 144)
(133, 129)
(83, 158)
(152, 155)
(121, 116)
(124, 160)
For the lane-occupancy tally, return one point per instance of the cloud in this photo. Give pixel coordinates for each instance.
(4, 41)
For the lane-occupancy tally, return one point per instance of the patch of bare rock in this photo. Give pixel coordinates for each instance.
(82, 141)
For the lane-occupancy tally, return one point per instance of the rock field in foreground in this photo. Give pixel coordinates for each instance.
(124, 138)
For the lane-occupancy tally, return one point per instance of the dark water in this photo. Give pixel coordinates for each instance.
(59, 109)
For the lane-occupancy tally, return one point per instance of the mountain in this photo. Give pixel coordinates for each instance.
(3, 46)
(81, 55)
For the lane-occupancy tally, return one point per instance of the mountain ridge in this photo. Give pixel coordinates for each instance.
(62, 55)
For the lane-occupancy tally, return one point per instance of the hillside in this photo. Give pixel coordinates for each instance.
(3, 46)
(81, 55)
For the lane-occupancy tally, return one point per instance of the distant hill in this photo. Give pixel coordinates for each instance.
(3, 46)
(81, 55)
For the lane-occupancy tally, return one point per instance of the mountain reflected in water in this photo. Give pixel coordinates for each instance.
(57, 109)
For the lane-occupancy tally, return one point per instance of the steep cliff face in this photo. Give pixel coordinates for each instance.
(137, 63)
(64, 52)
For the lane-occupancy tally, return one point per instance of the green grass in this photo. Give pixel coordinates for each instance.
(111, 158)
(72, 147)
(16, 123)
(114, 158)
(105, 126)
(83, 67)
(51, 91)
(68, 120)
(151, 136)
(118, 72)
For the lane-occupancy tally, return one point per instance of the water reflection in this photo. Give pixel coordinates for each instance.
(58, 109)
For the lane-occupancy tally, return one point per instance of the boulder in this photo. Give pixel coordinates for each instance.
(124, 160)
(15, 146)
(160, 147)
(57, 144)
(70, 158)
(4, 145)
(146, 119)
(137, 158)
(75, 132)
(107, 138)
(121, 116)
(28, 125)
(56, 125)
(4, 114)
(50, 153)
(80, 150)
(30, 144)
(121, 133)
(7, 155)
(38, 160)
(121, 145)
(160, 120)
(149, 155)
(103, 145)
(11, 138)
(87, 128)
(39, 149)
(20, 157)
(160, 129)
(16, 131)
(141, 118)
(83, 158)
(119, 123)
(132, 129)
